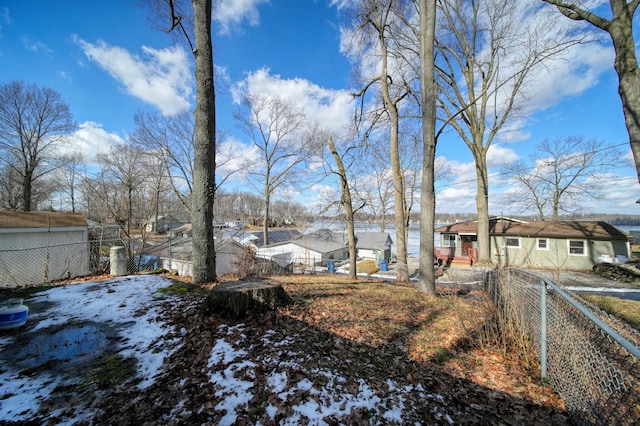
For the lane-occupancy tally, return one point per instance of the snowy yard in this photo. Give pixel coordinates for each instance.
(122, 351)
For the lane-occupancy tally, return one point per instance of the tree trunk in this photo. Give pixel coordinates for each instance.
(428, 90)
(27, 187)
(396, 170)
(204, 257)
(265, 217)
(620, 29)
(238, 298)
(347, 204)
(626, 66)
(482, 205)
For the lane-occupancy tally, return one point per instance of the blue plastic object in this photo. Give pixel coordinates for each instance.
(383, 265)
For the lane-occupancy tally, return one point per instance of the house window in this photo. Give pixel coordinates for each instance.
(577, 247)
(513, 242)
(448, 240)
(543, 244)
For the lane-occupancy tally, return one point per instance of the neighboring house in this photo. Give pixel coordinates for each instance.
(309, 250)
(164, 224)
(39, 247)
(104, 231)
(542, 244)
(185, 230)
(177, 254)
(374, 245)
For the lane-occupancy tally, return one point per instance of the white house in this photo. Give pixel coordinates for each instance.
(40, 247)
(314, 249)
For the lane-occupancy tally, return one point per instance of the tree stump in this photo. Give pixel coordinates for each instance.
(236, 298)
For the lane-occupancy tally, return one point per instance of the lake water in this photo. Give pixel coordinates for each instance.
(413, 240)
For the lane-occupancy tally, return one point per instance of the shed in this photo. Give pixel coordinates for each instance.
(40, 247)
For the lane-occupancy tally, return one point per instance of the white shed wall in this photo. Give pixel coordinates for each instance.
(31, 256)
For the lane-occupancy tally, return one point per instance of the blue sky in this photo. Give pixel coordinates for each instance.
(108, 63)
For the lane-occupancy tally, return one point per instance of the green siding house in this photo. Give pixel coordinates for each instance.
(573, 245)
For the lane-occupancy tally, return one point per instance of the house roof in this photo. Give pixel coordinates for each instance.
(187, 228)
(320, 241)
(374, 240)
(275, 236)
(557, 229)
(41, 220)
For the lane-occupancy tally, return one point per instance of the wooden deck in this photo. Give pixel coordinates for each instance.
(445, 256)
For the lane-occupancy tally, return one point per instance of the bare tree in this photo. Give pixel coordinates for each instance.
(377, 23)
(428, 94)
(69, 176)
(125, 192)
(121, 188)
(172, 140)
(10, 188)
(620, 29)
(375, 188)
(563, 171)
(278, 130)
(34, 124)
(487, 51)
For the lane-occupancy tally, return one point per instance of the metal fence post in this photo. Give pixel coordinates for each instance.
(543, 330)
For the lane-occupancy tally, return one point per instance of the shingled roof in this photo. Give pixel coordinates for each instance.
(40, 220)
(552, 229)
(374, 240)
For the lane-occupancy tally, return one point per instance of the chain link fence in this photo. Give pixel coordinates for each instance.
(28, 266)
(590, 358)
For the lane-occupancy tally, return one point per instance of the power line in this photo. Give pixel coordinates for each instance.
(497, 174)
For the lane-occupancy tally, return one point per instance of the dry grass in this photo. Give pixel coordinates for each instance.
(627, 311)
(430, 329)
(379, 313)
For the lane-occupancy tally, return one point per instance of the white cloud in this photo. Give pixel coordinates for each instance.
(513, 130)
(340, 4)
(36, 46)
(229, 14)
(570, 71)
(6, 16)
(570, 76)
(329, 108)
(91, 139)
(162, 78)
(233, 158)
(498, 155)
